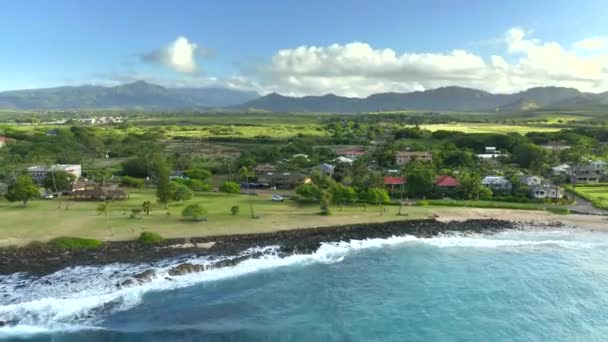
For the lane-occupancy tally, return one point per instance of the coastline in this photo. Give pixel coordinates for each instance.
(41, 259)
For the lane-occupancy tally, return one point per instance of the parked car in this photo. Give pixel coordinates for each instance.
(48, 196)
(277, 198)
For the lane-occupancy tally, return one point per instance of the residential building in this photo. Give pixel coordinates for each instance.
(263, 168)
(394, 182)
(498, 184)
(39, 172)
(352, 154)
(562, 169)
(546, 191)
(530, 180)
(177, 174)
(447, 182)
(490, 153)
(591, 172)
(403, 158)
(283, 179)
(100, 193)
(327, 169)
(344, 160)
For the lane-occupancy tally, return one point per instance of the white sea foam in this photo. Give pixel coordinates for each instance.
(80, 297)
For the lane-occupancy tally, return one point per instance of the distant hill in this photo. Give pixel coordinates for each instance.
(441, 99)
(133, 95)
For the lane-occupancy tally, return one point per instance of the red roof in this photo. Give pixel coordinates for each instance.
(446, 181)
(389, 180)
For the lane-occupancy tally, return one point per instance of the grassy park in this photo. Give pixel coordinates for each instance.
(595, 193)
(43, 220)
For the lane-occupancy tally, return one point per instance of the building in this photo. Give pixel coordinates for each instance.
(344, 160)
(562, 169)
(498, 184)
(392, 182)
(100, 193)
(490, 153)
(39, 172)
(447, 182)
(591, 172)
(263, 168)
(283, 179)
(403, 158)
(531, 180)
(177, 174)
(546, 191)
(352, 154)
(3, 141)
(327, 169)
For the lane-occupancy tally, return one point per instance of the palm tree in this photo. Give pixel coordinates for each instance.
(246, 174)
(146, 206)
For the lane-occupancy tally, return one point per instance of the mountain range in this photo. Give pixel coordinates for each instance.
(139, 94)
(454, 99)
(145, 95)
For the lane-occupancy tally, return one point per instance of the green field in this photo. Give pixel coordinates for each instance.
(488, 128)
(598, 195)
(42, 220)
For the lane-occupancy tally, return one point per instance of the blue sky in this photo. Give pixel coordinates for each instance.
(50, 43)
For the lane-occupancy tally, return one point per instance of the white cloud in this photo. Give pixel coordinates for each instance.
(358, 69)
(179, 55)
(593, 43)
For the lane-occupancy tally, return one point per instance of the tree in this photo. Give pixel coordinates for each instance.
(377, 196)
(163, 184)
(22, 190)
(230, 188)
(199, 174)
(322, 186)
(58, 181)
(136, 167)
(132, 182)
(102, 208)
(471, 187)
(420, 179)
(198, 185)
(194, 212)
(182, 193)
(247, 174)
(146, 206)
(526, 154)
(343, 194)
(308, 191)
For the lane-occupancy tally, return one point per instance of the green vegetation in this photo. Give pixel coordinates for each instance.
(194, 212)
(75, 243)
(230, 188)
(597, 194)
(150, 239)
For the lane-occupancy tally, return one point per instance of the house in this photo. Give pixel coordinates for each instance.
(498, 184)
(563, 169)
(392, 182)
(530, 180)
(3, 141)
(546, 190)
(100, 193)
(283, 179)
(352, 154)
(490, 153)
(327, 169)
(591, 172)
(177, 174)
(39, 172)
(344, 160)
(446, 182)
(402, 158)
(263, 168)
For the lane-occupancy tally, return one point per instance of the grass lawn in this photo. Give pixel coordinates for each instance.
(598, 195)
(488, 128)
(42, 220)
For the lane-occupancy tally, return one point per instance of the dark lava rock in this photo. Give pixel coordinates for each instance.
(139, 279)
(185, 268)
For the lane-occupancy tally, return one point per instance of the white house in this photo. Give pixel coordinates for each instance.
(562, 169)
(531, 180)
(39, 172)
(546, 190)
(344, 160)
(498, 184)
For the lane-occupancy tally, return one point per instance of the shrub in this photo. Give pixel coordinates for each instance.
(194, 212)
(235, 210)
(75, 243)
(150, 239)
(182, 193)
(198, 185)
(422, 203)
(230, 188)
(132, 182)
(559, 211)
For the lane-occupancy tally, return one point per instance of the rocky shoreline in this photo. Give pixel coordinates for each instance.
(44, 259)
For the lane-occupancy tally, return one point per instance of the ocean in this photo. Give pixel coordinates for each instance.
(534, 285)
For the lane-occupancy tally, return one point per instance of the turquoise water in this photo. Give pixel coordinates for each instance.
(515, 286)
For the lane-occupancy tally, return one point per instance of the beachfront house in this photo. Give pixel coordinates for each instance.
(39, 172)
(591, 172)
(546, 191)
(530, 180)
(498, 184)
(402, 158)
